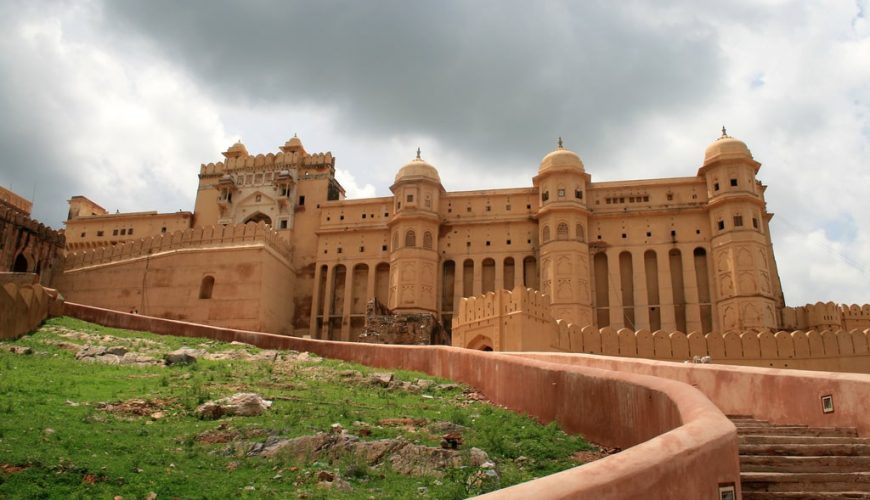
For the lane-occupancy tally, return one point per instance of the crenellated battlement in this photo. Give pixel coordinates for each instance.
(827, 315)
(269, 161)
(519, 320)
(200, 237)
(19, 219)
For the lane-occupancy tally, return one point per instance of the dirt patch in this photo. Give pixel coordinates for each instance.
(13, 469)
(155, 408)
(586, 456)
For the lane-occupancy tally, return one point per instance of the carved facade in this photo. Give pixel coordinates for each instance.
(689, 253)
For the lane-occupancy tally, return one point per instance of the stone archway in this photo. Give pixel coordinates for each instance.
(21, 265)
(481, 343)
(258, 217)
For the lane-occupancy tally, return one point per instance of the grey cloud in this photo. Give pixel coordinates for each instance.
(488, 79)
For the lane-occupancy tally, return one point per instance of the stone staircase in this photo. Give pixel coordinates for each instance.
(801, 462)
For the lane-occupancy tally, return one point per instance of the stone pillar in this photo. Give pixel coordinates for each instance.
(666, 291)
(690, 285)
(499, 272)
(327, 302)
(370, 286)
(348, 302)
(316, 306)
(478, 278)
(641, 307)
(617, 317)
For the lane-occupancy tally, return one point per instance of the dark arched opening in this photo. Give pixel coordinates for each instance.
(258, 217)
(20, 265)
(206, 287)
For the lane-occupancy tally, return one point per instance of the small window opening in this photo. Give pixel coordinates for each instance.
(301, 201)
(283, 224)
(99, 233)
(733, 182)
(383, 248)
(721, 225)
(130, 231)
(545, 196)
(114, 232)
(362, 249)
(755, 223)
(487, 243)
(163, 229)
(578, 194)
(561, 192)
(206, 287)
(123, 232)
(508, 242)
(409, 198)
(338, 250)
(670, 197)
(738, 221)
(716, 187)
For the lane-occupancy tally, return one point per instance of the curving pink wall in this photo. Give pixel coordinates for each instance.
(782, 396)
(679, 445)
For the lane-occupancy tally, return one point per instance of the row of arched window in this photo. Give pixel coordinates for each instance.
(411, 240)
(562, 232)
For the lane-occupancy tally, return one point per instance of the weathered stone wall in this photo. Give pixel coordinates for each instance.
(28, 246)
(250, 283)
(382, 326)
(519, 320)
(24, 305)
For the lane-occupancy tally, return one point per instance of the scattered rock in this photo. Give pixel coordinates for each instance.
(13, 469)
(325, 475)
(137, 407)
(151, 496)
(451, 441)
(402, 422)
(116, 350)
(478, 457)
(447, 387)
(336, 428)
(183, 356)
(422, 491)
(90, 351)
(424, 384)
(18, 349)
(243, 404)
(382, 379)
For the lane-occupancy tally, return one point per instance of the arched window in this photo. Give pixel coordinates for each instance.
(546, 234)
(206, 287)
(581, 233)
(410, 238)
(427, 240)
(20, 265)
(562, 231)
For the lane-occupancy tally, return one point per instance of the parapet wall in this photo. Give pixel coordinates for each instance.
(519, 320)
(23, 307)
(269, 160)
(198, 237)
(676, 443)
(826, 315)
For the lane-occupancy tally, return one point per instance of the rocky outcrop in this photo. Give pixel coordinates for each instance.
(385, 327)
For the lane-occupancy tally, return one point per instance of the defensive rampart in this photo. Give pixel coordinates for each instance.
(27, 245)
(199, 237)
(25, 305)
(519, 320)
(676, 443)
(827, 316)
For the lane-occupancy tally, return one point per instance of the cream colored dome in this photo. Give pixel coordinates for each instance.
(561, 159)
(418, 168)
(293, 145)
(236, 150)
(726, 148)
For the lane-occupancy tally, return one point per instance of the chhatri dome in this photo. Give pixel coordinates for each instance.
(293, 145)
(418, 168)
(726, 148)
(561, 159)
(236, 150)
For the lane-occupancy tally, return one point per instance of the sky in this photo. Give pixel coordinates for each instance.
(121, 101)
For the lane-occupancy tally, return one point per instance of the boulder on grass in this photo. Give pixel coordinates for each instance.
(243, 404)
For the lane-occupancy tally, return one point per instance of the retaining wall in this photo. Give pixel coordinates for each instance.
(677, 443)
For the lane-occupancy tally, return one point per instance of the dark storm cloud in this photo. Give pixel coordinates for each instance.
(489, 79)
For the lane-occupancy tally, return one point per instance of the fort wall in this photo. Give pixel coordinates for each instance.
(24, 305)
(676, 443)
(234, 276)
(27, 245)
(519, 320)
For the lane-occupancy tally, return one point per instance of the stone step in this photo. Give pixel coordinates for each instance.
(806, 450)
(763, 439)
(751, 422)
(763, 463)
(831, 482)
(793, 430)
(803, 495)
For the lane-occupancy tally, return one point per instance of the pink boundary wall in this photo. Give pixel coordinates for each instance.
(679, 445)
(782, 396)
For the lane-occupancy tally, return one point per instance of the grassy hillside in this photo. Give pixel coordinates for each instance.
(125, 424)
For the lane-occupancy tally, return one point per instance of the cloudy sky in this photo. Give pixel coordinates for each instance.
(123, 100)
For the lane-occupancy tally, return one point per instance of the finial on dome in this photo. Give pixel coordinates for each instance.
(560, 143)
(418, 153)
(294, 135)
(724, 133)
